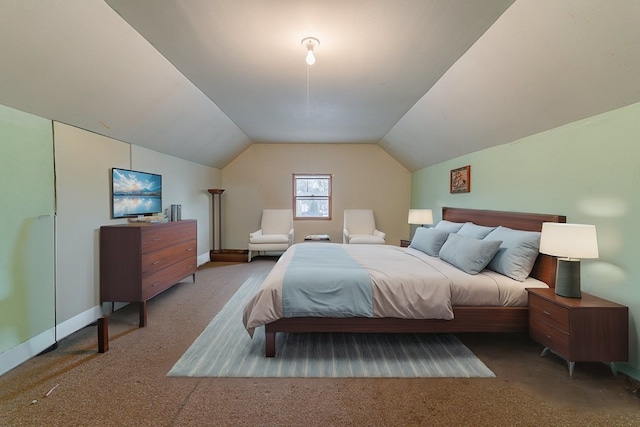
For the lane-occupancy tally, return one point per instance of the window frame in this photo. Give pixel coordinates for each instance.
(295, 197)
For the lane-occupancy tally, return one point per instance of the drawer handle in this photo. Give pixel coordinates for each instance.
(156, 262)
(546, 312)
(156, 239)
(549, 336)
(191, 266)
(189, 249)
(155, 284)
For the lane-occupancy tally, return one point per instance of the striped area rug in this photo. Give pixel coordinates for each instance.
(224, 349)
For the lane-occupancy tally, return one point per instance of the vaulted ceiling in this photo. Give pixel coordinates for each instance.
(427, 80)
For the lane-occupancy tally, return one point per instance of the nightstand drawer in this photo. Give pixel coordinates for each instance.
(549, 336)
(545, 311)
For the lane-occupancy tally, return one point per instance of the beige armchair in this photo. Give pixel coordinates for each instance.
(360, 227)
(275, 234)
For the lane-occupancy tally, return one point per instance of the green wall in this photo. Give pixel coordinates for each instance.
(27, 293)
(589, 171)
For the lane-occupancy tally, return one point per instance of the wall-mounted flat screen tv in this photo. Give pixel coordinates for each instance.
(135, 193)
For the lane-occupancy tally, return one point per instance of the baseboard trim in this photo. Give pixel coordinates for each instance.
(21, 353)
(203, 258)
(78, 322)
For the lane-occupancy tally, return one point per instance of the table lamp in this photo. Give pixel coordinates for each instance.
(420, 216)
(570, 243)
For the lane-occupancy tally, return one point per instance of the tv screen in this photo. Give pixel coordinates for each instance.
(135, 193)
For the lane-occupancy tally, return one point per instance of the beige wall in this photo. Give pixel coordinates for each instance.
(83, 163)
(364, 176)
(183, 183)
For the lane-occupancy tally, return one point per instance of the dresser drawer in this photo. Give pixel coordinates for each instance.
(163, 279)
(158, 237)
(156, 261)
(546, 311)
(550, 337)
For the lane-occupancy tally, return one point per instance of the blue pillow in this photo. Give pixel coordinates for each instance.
(429, 240)
(475, 231)
(517, 253)
(468, 254)
(448, 226)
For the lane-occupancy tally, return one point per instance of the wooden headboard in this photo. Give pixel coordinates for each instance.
(545, 266)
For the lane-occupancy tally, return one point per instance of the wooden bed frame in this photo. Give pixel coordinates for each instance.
(466, 319)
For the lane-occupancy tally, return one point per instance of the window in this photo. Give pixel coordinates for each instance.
(312, 196)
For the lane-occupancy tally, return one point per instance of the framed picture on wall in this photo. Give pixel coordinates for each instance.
(460, 180)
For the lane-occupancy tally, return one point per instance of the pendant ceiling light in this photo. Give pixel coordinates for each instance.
(310, 43)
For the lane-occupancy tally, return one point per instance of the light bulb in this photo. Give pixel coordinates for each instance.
(311, 59)
(310, 43)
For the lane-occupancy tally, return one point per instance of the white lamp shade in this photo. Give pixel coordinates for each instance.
(569, 240)
(420, 216)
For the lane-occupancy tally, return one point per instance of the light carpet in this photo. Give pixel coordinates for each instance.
(224, 349)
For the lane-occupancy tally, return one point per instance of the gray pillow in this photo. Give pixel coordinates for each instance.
(468, 254)
(517, 253)
(428, 240)
(448, 226)
(475, 231)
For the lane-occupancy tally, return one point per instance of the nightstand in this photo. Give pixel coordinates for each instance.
(404, 243)
(587, 329)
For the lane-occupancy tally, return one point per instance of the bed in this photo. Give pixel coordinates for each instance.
(459, 311)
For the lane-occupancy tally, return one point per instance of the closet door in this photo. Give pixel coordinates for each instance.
(27, 275)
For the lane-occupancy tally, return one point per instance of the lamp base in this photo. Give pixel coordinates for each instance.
(568, 278)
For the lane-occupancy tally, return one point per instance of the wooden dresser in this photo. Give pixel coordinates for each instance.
(140, 260)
